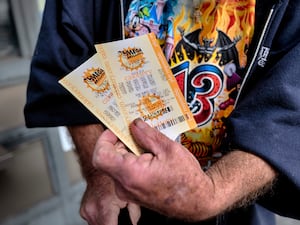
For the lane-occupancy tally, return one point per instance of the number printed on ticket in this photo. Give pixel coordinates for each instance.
(144, 86)
(89, 85)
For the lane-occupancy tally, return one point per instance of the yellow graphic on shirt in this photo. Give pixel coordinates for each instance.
(209, 57)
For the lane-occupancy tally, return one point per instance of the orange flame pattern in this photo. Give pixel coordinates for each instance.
(233, 17)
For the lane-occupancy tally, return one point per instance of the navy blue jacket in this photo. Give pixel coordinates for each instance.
(266, 120)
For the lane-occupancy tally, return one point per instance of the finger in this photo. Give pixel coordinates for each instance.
(108, 219)
(88, 215)
(108, 136)
(149, 138)
(107, 149)
(121, 148)
(134, 213)
(110, 160)
(105, 156)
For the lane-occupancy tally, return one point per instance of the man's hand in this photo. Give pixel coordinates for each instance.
(168, 179)
(100, 204)
(165, 178)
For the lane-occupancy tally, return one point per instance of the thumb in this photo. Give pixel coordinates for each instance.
(149, 138)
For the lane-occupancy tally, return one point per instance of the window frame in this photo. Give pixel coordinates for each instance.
(27, 20)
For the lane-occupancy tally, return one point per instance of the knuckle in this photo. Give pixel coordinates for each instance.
(83, 213)
(96, 158)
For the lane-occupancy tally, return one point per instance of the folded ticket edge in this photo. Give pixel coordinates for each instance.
(173, 83)
(67, 83)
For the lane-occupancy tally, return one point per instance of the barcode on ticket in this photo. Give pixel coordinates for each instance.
(172, 122)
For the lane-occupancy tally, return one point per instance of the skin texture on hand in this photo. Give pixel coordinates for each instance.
(168, 179)
(100, 204)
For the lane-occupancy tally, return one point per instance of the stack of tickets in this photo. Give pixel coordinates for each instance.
(131, 79)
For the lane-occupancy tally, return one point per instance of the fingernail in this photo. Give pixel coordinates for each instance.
(140, 123)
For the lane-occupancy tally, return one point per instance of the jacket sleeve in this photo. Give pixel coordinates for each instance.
(68, 33)
(266, 121)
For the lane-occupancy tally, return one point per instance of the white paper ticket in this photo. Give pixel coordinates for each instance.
(144, 85)
(89, 85)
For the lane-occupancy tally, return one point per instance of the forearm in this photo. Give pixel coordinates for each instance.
(236, 180)
(239, 178)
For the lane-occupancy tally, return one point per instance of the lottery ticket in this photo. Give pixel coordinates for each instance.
(89, 85)
(144, 86)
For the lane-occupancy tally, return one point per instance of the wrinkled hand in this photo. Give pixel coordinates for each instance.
(100, 204)
(167, 178)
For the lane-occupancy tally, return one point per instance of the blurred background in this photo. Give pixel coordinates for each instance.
(40, 181)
